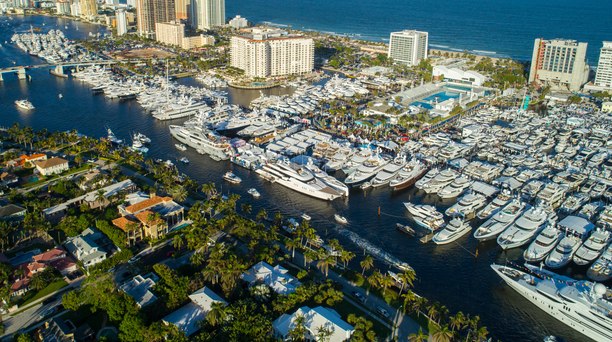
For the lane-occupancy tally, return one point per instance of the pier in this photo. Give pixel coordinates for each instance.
(57, 69)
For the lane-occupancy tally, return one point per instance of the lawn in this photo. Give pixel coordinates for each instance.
(54, 286)
(344, 308)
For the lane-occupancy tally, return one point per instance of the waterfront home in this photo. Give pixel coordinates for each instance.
(188, 318)
(52, 166)
(275, 277)
(12, 212)
(140, 287)
(85, 247)
(314, 320)
(94, 199)
(148, 216)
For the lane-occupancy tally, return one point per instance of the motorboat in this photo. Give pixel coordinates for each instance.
(574, 202)
(563, 253)
(405, 229)
(232, 178)
(444, 178)
(601, 269)
(494, 206)
(524, 228)
(112, 137)
(455, 188)
(180, 147)
(467, 205)
(455, 229)
(582, 305)
(425, 216)
(24, 104)
(543, 244)
(500, 221)
(305, 217)
(408, 175)
(592, 248)
(253, 192)
(366, 171)
(340, 219)
(388, 172)
(184, 160)
(139, 147)
(429, 176)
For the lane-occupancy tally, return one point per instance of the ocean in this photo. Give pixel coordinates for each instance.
(449, 274)
(490, 27)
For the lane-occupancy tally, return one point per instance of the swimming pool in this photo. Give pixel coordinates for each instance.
(442, 96)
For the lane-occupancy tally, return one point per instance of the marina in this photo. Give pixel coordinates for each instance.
(264, 159)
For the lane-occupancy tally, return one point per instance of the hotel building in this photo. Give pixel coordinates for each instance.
(408, 47)
(603, 78)
(559, 63)
(150, 12)
(206, 14)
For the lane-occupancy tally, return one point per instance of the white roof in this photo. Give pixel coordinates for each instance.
(188, 317)
(277, 277)
(315, 319)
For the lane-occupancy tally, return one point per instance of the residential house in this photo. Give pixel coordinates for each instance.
(52, 166)
(84, 247)
(29, 161)
(154, 215)
(12, 212)
(92, 180)
(315, 320)
(58, 259)
(140, 287)
(275, 277)
(8, 178)
(188, 317)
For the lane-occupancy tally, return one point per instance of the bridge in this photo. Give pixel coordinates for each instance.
(57, 69)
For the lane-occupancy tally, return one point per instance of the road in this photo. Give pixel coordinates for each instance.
(31, 315)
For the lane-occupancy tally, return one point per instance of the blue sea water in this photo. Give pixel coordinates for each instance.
(489, 27)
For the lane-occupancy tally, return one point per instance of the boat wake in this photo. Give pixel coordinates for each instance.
(373, 250)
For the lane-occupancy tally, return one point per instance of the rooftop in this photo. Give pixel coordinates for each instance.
(55, 161)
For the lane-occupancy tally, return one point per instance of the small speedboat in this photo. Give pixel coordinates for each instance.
(365, 186)
(306, 217)
(405, 229)
(184, 160)
(232, 178)
(180, 147)
(24, 104)
(340, 219)
(253, 192)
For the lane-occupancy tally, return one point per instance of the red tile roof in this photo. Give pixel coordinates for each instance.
(49, 255)
(62, 264)
(123, 221)
(148, 203)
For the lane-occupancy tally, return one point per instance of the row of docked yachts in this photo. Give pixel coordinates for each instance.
(52, 46)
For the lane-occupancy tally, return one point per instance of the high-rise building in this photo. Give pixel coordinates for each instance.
(181, 8)
(173, 33)
(238, 22)
(206, 14)
(75, 8)
(603, 78)
(89, 8)
(121, 22)
(272, 52)
(150, 12)
(408, 47)
(560, 63)
(63, 7)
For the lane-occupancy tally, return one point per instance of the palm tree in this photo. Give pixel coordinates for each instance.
(346, 256)
(298, 333)
(456, 321)
(443, 334)
(419, 336)
(482, 333)
(409, 299)
(217, 314)
(385, 282)
(100, 198)
(432, 312)
(261, 215)
(324, 262)
(178, 242)
(246, 208)
(292, 244)
(366, 264)
(407, 278)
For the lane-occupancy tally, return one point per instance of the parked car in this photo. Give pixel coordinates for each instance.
(359, 296)
(382, 311)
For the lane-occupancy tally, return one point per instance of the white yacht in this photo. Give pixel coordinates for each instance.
(368, 169)
(574, 202)
(297, 178)
(543, 244)
(431, 174)
(582, 305)
(232, 178)
(552, 195)
(253, 192)
(592, 248)
(180, 147)
(467, 205)
(498, 202)
(531, 189)
(139, 147)
(388, 172)
(455, 188)
(425, 216)
(24, 104)
(408, 175)
(455, 229)
(524, 228)
(500, 221)
(202, 139)
(601, 269)
(331, 181)
(577, 229)
(112, 137)
(444, 178)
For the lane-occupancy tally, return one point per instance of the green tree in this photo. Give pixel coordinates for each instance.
(366, 264)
